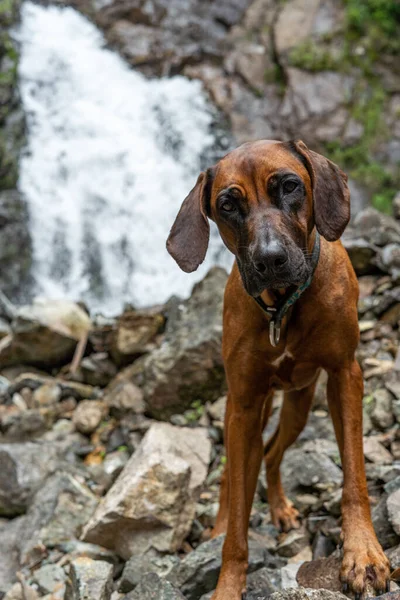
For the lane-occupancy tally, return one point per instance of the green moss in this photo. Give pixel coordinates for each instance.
(374, 23)
(313, 57)
(371, 30)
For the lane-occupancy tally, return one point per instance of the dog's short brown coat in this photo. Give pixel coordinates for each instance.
(319, 332)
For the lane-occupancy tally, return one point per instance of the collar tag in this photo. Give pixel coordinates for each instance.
(274, 332)
(277, 313)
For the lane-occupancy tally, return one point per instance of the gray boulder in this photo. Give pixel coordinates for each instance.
(24, 467)
(198, 572)
(45, 334)
(188, 365)
(302, 469)
(59, 511)
(153, 587)
(152, 503)
(151, 562)
(89, 579)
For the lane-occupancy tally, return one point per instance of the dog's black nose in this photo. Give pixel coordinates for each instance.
(273, 256)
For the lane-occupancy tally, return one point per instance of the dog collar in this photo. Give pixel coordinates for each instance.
(277, 313)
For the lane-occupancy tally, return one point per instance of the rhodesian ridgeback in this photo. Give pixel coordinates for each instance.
(290, 310)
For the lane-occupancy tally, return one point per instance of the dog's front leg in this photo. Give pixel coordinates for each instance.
(244, 454)
(363, 558)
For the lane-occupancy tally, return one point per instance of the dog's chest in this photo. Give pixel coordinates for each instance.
(290, 373)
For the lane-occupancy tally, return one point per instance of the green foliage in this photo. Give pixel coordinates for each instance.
(313, 57)
(376, 21)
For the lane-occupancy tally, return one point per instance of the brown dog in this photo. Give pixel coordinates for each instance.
(271, 202)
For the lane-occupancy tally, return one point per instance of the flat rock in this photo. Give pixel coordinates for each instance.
(153, 587)
(375, 452)
(89, 579)
(45, 334)
(302, 469)
(50, 578)
(306, 594)
(59, 510)
(152, 503)
(188, 365)
(322, 573)
(24, 467)
(198, 572)
(393, 508)
(151, 562)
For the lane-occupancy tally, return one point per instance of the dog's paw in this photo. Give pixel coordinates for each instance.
(284, 515)
(364, 565)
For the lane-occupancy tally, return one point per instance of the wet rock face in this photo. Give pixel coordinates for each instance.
(15, 245)
(15, 242)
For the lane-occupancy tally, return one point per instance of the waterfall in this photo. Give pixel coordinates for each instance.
(110, 157)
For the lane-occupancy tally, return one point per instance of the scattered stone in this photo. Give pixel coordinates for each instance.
(381, 414)
(135, 332)
(265, 579)
(9, 561)
(217, 409)
(151, 562)
(123, 397)
(310, 470)
(45, 334)
(88, 415)
(46, 395)
(152, 587)
(50, 578)
(198, 572)
(152, 503)
(375, 452)
(89, 579)
(393, 508)
(77, 549)
(383, 528)
(393, 555)
(293, 543)
(97, 369)
(322, 573)
(60, 509)
(23, 426)
(24, 467)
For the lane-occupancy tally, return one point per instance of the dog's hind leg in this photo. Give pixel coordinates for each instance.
(221, 522)
(294, 413)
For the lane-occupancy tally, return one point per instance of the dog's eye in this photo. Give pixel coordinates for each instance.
(227, 206)
(289, 186)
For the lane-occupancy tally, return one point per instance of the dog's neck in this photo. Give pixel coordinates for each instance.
(276, 304)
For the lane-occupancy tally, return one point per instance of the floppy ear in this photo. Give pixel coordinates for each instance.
(188, 239)
(331, 196)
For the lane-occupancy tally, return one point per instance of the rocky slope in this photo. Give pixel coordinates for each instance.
(111, 449)
(320, 70)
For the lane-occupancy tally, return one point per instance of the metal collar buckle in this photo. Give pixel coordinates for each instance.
(274, 332)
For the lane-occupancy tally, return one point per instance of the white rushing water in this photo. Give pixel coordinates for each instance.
(110, 157)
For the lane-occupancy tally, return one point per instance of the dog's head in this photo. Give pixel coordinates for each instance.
(265, 197)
